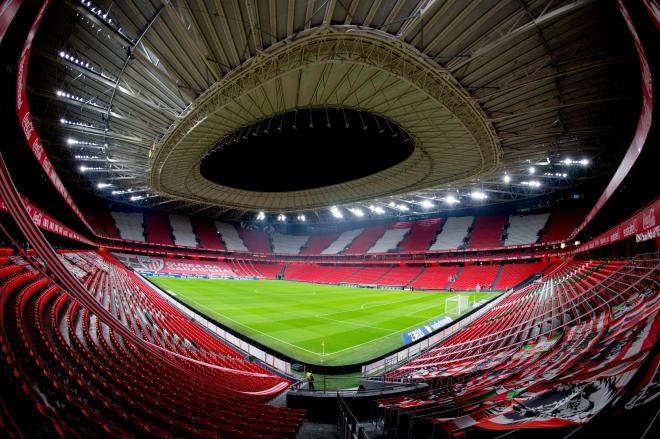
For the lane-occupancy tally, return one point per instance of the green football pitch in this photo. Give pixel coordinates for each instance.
(355, 324)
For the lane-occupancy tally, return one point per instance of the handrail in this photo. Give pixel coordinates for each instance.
(548, 332)
(347, 424)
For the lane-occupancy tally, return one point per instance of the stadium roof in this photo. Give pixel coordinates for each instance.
(502, 99)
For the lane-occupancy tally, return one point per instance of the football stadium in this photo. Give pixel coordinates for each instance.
(356, 219)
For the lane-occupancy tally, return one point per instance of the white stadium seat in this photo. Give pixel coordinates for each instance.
(130, 225)
(341, 242)
(524, 229)
(230, 237)
(389, 241)
(183, 231)
(288, 244)
(453, 233)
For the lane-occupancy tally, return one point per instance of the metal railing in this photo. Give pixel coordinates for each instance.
(348, 426)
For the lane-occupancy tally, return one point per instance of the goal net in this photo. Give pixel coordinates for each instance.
(456, 305)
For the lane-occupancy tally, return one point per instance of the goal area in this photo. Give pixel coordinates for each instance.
(456, 305)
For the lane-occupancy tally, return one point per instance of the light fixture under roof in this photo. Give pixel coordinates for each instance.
(451, 200)
(302, 218)
(426, 204)
(357, 212)
(261, 216)
(478, 195)
(334, 210)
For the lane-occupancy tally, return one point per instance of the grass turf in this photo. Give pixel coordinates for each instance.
(357, 324)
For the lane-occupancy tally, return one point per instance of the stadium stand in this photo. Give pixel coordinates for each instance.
(365, 240)
(317, 243)
(435, 278)
(106, 223)
(390, 240)
(257, 241)
(182, 231)
(422, 233)
(524, 229)
(513, 274)
(453, 233)
(129, 225)
(400, 276)
(561, 223)
(473, 275)
(487, 231)
(207, 234)
(545, 342)
(288, 244)
(366, 275)
(72, 371)
(230, 237)
(157, 228)
(341, 242)
(268, 271)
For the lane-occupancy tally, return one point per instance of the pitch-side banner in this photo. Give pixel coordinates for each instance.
(44, 221)
(416, 334)
(643, 225)
(25, 119)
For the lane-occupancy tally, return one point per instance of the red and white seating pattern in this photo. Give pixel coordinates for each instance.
(524, 229)
(453, 233)
(390, 240)
(341, 242)
(288, 244)
(182, 231)
(129, 225)
(72, 376)
(229, 236)
(550, 355)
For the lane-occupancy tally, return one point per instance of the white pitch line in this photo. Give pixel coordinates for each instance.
(356, 324)
(212, 311)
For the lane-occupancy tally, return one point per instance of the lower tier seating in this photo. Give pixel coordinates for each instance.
(553, 354)
(67, 374)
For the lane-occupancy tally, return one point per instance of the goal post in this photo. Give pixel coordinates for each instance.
(456, 305)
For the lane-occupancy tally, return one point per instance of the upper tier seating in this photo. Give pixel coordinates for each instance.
(549, 355)
(129, 225)
(421, 235)
(106, 222)
(473, 275)
(365, 240)
(435, 278)
(561, 223)
(512, 274)
(317, 243)
(68, 374)
(256, 241)
(453, 233)
(341, 242)
(182, 231)
(157, 228)
(207, 234)
(487, 231)
(400, 276)
(230, 237)
(288, 244)
(524, 229)
(391, 238)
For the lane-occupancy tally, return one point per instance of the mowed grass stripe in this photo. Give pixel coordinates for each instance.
(357, 324)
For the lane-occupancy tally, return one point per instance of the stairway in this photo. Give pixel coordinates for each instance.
(497, 277)
(456, 276)
(415, 278)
